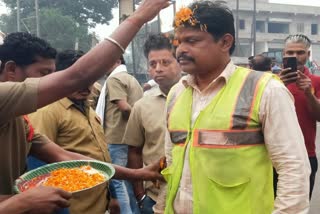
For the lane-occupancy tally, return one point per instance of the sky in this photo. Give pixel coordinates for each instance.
(166, 15)
(101, 29)
(297, 2)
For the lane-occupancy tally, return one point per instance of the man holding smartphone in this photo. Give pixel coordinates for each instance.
(305, 89)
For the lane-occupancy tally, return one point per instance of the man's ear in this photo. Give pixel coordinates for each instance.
(118, 62)
(309, 53)
(227, 42)
(9, 70)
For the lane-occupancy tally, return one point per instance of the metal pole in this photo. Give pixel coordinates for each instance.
(133, 46)
(237, 29)
(254, 26)
(18, 15)
(159, 23)
(37, 17)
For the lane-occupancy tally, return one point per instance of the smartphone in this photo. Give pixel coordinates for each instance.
(290, 62)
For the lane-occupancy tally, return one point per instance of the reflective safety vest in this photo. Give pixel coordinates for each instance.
(230, 167)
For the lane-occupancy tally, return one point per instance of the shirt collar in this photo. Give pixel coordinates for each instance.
(119, 69)
(225, 76)
(155, 92)
(66, 103)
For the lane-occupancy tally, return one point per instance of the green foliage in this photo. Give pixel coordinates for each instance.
(8, 24)
(61, 21)
(64, 32)
(59, 30)
(84, 12)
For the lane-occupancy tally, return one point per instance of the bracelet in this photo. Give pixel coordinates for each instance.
(115, 43)
(143, 197)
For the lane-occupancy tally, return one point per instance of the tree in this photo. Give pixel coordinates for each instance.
(59, 30)
(84, 12)
(61, 21)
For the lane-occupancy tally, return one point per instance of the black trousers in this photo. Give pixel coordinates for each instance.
(314, 168)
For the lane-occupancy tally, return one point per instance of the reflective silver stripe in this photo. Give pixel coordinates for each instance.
(230, 138)
(245, 100)
(178, 137)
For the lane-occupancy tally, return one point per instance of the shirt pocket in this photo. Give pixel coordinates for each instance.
(226, 196)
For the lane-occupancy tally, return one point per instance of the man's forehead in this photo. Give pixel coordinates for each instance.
(296, 46)
(187, 31)
(41, 59)
(162, 53)
(45, 63)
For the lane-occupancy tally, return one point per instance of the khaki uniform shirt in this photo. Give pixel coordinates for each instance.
(77, 132)
(94, 95)
(146, 128)
(16, 99)
(120, 86)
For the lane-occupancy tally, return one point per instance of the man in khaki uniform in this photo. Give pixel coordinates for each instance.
(23, 56)
(145, 132)
(73, 125)
(121, 91)
(17, 99)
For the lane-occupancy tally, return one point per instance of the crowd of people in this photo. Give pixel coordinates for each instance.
(235, 139)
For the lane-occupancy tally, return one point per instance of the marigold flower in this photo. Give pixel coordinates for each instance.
(183, 15)
(186, 16)
(73, 179)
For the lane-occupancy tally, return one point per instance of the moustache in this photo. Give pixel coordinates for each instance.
(185, 57)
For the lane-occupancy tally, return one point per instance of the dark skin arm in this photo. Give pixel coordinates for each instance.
(40, 199)
(124, 107)
(4, 197)
(92, 65)
(135, 162)
(50, 152)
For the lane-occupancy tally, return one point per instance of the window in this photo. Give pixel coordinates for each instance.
(274, 27)
(300, 27)
(260, 27)
(314, 29)
(242, 24)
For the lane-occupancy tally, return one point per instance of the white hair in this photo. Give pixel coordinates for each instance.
(298, 38)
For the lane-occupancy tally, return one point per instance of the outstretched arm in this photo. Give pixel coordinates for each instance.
(50, 152)
(92, 65)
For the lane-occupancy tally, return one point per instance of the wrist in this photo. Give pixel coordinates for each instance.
(17, 204)
(140, 196)
(136, 21)
(138, 175)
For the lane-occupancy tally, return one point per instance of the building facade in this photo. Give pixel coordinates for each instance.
(274, 22)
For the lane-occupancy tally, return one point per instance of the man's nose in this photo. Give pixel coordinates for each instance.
(159, 67)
